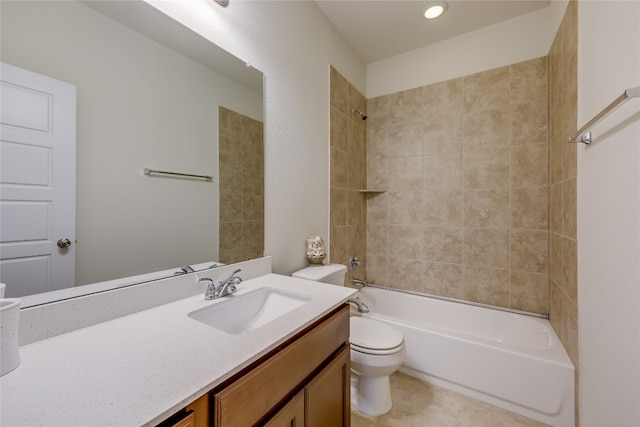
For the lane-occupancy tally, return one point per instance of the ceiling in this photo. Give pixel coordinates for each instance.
(379, 29)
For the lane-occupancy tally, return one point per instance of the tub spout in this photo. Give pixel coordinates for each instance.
(362, 307)
(359, 282)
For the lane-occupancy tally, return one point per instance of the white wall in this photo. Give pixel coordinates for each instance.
(139, 105)
(293, 44)
(515, 40)
(609, 216)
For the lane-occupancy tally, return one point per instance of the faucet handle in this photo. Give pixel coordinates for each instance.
(205, 281)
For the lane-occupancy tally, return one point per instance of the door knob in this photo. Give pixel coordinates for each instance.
(64, 243)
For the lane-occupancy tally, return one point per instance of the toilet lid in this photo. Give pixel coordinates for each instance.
(372, 334)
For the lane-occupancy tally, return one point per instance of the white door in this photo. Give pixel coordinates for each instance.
(37, 182)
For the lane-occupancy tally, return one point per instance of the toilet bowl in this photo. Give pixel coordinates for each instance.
(377, 349)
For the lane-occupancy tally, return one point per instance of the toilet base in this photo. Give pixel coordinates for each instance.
(373, 395)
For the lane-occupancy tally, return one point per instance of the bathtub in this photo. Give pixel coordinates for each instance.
(509, 360)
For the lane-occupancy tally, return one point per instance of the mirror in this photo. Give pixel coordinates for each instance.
(150, 94)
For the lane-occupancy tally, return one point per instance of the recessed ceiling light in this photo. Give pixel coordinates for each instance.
(434, 9)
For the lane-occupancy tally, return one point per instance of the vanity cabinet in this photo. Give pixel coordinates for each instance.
(303, 382)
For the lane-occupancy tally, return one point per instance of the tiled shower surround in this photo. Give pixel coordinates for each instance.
(348, 166)
(464, 166)
(241, 187)
(478, 204)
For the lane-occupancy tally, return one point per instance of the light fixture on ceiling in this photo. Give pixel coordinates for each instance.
(434, 9)
(223, 3)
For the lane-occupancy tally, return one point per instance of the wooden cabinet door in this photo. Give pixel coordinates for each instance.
(292, 415)
(328, 396)
(200, 412)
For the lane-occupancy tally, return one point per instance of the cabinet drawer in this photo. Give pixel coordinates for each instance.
(246, 401)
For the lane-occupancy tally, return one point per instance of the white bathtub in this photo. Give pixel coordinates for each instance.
(509, 360)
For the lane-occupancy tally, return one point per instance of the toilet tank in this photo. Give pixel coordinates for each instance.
(332, 273)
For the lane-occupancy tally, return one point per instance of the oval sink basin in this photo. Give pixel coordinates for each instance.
(239, 314)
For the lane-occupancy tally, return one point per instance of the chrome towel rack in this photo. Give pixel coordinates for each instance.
(150, 172)
(585, 137)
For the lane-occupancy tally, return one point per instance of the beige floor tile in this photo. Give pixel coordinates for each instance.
(420, 404)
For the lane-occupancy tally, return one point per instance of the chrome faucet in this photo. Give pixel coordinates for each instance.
(362, 307)
(359, 282)
(224, 288)
(184, 270)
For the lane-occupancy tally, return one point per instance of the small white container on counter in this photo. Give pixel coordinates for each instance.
(9, 322)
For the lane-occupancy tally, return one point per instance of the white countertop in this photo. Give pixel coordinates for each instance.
(141, 368)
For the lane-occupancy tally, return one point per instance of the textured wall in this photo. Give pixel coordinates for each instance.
(609, 215)
(464, 163)
(241, 187)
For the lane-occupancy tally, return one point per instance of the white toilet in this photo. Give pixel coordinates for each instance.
(377, 349)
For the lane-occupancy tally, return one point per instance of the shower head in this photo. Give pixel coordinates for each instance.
(363, 116)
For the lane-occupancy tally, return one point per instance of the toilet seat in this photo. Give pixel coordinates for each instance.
(373, 337)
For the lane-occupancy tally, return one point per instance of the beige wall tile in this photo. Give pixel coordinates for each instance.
(555, 258)
(443, 170)
(486, 247)
(529, 123)
(529, 82)
(486, 208)
(405, 174)
(338, 211)
(405, 273)
(377, 238)
(487, 90)
(529, 250)
(253, 234)
(252, 208)
(405, 241)
(377, 174)
(529, 291)
(229, 122)
(486, 285)
(405, 140)
(443, 244)
(378, 113)
(486, 129)
(338, 169)
(484, 166)
(555, 208)
(444, 96)
(529, 165)
(339, 90)
(376, 268)
(405, 207)
(442, 133)
(339, 243)
(339, 133)
(252, 182)
(406, 106)
(442, 207)
(355, 208)
(529, 208)
(232, 211)
(569, 281)
(377, 208)
(569, 209)
(378, 143)
(443, 279)
(487, 169)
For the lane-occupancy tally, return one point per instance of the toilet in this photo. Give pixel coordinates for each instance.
(377, 349)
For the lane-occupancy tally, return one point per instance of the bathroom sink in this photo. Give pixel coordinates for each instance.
(239, 314)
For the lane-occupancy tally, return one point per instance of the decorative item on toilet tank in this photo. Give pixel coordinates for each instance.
(315, 250)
